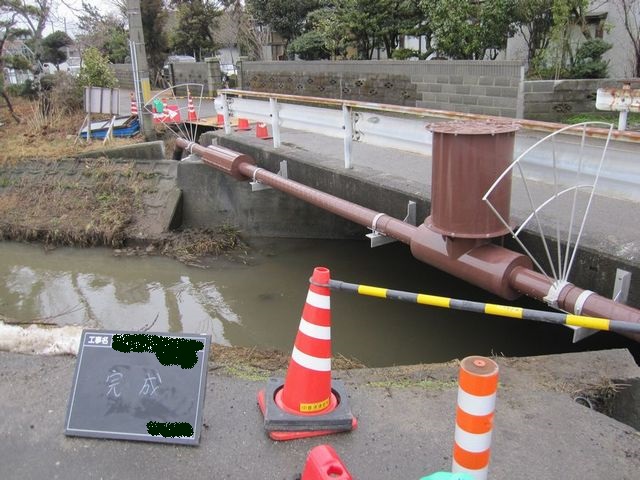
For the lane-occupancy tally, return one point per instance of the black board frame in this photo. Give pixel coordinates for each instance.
(90, 348)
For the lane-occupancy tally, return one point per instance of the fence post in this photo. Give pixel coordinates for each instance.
(275, 122)
(348, 135)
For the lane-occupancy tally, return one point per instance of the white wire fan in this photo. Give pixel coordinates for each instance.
(556, 208)
(171, 108)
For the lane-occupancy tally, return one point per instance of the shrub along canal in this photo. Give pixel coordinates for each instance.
(257, 300)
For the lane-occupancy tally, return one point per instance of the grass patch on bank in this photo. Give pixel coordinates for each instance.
(89, 208)
(633, 119)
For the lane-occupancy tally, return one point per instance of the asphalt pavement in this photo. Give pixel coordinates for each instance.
(405, 425)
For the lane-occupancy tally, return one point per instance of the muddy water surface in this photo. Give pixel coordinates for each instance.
(258, 301)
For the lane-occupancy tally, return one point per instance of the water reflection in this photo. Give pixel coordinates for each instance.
(259, 303)
(94, 289)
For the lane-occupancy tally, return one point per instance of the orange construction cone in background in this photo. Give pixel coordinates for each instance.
(134, 104)
(262, 131)
(308, 403)
(191, 111)
(243, 124)
(323, 463)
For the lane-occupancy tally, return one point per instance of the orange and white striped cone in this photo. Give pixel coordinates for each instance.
(192, 116)
(134, 104)
(243, 124)
(308, 402)
(262, 131)
(477, 387)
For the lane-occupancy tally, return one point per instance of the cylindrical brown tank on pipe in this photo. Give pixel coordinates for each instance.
(467, 157)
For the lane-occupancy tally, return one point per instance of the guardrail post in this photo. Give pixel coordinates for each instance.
(348, 135)
(225, 114)
(275, 122)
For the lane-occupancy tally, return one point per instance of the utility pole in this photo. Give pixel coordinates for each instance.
(140, 67)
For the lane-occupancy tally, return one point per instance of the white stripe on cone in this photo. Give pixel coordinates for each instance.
(315, 331)
(312, 363)
(319, 301)
(473, 442)
(476, 405)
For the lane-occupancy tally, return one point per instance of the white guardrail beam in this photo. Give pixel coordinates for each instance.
(405, 128)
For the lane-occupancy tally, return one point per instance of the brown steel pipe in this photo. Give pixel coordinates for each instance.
(488, 266)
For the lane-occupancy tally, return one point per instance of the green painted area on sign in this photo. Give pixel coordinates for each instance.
(168, 350)
(170, 429)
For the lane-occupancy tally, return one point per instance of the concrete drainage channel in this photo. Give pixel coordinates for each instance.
(620, 400)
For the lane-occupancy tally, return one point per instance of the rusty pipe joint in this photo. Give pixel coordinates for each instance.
(223, 159)
(487, 266)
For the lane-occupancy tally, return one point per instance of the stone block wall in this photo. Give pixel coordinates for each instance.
(486, 88)
(190, 73)
(490, 88)
(362, 81)
(550, 100)
(205, 73)
(124, 75)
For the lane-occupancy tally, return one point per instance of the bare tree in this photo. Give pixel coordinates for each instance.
(6, 26)
(630, 12)
(237, 27)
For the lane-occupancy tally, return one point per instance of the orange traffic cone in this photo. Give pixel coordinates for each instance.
(134, 104)
(323, 463)
(243, 124)
(308, 403)
(191, 111)
(262, 131)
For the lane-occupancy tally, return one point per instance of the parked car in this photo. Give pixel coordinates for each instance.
(71, 66)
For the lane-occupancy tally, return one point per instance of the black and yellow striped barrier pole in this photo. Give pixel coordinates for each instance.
(618, 326)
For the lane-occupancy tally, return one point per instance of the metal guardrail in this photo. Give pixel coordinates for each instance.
(405, 128)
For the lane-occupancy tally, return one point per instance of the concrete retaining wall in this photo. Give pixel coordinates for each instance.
(549, 99)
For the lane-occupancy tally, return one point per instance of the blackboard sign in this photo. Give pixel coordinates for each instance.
(139, 386)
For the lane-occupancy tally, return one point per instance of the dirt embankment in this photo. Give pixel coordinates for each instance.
(129, 206)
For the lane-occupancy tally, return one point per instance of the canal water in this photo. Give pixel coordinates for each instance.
(258, 300)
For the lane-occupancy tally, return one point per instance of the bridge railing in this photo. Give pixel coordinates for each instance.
(406, 128)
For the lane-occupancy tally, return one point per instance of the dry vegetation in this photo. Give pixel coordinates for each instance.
(42, 137)
(48, 199)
